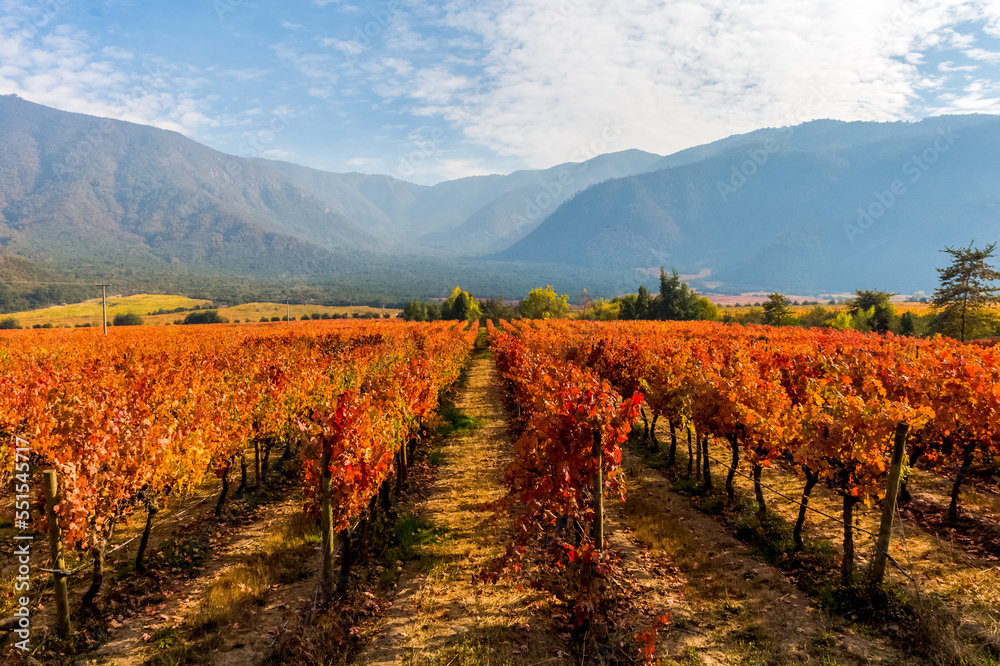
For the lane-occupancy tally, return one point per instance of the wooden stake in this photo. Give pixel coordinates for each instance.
(63, 626)
(598, 492)
(326, 517)
(889, 504)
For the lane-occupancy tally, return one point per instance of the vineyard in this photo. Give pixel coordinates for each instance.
(136, 422)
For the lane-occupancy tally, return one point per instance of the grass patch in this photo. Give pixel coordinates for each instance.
(770, 539)
(456, 422)
(437, 456)
(184, 554)
(235, 598)
(411, 535)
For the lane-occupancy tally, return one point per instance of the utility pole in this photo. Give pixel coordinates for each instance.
(104, 295)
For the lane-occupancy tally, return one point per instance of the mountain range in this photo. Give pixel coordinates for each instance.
(823, 207)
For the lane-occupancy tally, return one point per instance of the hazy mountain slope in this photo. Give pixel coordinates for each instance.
(379, 204)
(793, 222)
(80, 190)
(511, 215)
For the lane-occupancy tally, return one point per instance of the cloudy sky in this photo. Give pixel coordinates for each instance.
(428, 91)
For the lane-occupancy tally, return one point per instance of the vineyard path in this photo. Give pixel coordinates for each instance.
(438, 612)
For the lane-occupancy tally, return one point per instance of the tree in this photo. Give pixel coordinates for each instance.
(882, 311)
(460, 306)
(9, 323)
(205, 317)
(130, 319)
(495, 309)
(415, 311)
(677, 302)
(907, 324)
(776, 310)
(544, 304)
(966, 293)
(602, 310)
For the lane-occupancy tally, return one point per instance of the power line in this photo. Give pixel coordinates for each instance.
(79, 284)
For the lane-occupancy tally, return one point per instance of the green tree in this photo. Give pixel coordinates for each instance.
(907, 324)
(814, 317)
(206, 317)
(544, 304)
(130, 319)
(635, 306)
(882, 312)
(705, 309)
(495, 309)
(676, 302)
(643, 304)
(963, 301)
(626, 306)
(776, 310)
(415, 311)
(602, 310)
(461, 306)
(9, 323)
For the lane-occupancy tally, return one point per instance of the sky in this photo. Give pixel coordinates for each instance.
(430, 91)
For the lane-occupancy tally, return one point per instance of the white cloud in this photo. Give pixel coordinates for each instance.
(60, 68)
(366, 162)
(681, 74)
(248, 74)
(350, 47)
(984, 55)
(312, 65)
(321, 93)
(117, 53)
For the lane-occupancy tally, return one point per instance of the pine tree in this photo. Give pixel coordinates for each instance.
(966, 293)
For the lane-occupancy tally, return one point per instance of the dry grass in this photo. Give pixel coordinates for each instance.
(957, 595)
(729, 607)
(439, 615)
(282, 558)
(231, 611)
(90, 312)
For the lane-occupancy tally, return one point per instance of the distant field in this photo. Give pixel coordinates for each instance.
(144, 304)
(917, 308)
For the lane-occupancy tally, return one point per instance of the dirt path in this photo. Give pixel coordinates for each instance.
(439, 615)
(727, 607)
(158, 627)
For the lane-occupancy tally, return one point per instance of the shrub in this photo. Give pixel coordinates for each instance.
(9, 323)
(127, 320)
(205, 317)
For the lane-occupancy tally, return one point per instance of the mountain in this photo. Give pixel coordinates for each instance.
(97, 194)
(464, 217)
(823, 207)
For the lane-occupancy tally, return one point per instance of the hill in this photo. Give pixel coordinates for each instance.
(101, 195)
(822, 207)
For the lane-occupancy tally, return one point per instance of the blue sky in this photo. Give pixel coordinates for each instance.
(427, 91)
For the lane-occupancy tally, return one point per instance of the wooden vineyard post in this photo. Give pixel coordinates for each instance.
(889, 504)
(326, 520)
(598, 492)
(56, 552)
